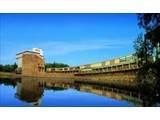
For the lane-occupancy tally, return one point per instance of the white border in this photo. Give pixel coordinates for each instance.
(82, 113)
(79, 6)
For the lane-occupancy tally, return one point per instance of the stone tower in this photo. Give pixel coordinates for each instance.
(30, 63)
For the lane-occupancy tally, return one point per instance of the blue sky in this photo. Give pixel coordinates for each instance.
(73, 39)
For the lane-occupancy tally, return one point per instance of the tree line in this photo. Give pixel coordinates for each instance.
(13, 67)
(55, 65)
(8, 67)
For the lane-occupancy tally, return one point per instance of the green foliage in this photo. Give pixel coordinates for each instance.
(148, 21)
(144, 50)
(148, 77)
(8, 68)
(139, 48)
(55, 65)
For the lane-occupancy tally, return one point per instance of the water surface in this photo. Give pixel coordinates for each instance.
(35, 92)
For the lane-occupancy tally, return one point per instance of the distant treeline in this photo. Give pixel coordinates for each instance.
(55, 65)
(12, 67)
(8, 68)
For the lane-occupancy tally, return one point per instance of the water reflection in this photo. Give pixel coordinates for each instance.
(28, 90)
(114, 93)
(32, 91)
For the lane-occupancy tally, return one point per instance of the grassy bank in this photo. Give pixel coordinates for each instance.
(9, 75)
(127, 85)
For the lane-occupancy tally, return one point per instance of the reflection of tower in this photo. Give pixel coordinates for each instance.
(28, 90)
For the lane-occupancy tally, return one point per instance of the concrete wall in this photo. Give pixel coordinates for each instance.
(19, 60)
(96, 65)
(32, 65)
(120, 77)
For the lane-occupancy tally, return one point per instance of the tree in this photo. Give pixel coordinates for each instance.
(8, 68)
(147, 47)
(139, 48)
(15, 66)
(150, 22)
(144, 50)
(55, 65)
(1, 67)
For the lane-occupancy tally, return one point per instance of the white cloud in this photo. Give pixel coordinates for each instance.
(51, 48)
(59, 48)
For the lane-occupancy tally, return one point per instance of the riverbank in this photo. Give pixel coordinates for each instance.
(9, 75)
(122, 84)
(46, 75)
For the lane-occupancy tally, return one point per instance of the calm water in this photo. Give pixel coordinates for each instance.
(34, 92)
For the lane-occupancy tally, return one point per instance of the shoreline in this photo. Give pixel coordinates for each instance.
(71, 78)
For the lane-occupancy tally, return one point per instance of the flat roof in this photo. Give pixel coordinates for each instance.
(26, 52)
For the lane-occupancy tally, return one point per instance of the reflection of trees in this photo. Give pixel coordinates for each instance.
(31, 91)
(9, 82)
(119, 94)
(116, 93)
(54, 88)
